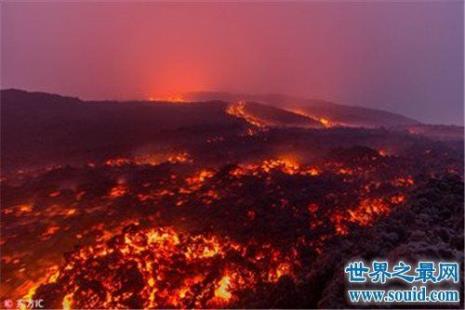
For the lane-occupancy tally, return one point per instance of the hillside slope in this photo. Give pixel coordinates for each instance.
(334, 114)
(38, 127)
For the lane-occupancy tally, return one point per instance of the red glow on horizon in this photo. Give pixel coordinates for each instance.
(170, 98)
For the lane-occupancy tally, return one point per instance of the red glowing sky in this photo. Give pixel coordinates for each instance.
(402, 57)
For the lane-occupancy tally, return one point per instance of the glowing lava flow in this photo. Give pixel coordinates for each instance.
(163, 268)
(238, 109)
(324, 121)
(286, 166)
(168, 98)
(149, 159)
(365, 213)
(159, 263)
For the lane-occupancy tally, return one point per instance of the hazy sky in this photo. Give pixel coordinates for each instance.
(402, 57)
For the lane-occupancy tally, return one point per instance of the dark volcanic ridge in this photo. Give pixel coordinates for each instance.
(338, 114)
(35, 123)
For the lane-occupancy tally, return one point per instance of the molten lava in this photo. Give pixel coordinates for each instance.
(239, 110)
(168, 98)
(161, 268)
(164, 231)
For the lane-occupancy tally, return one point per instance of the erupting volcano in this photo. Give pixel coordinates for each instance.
(217, 204)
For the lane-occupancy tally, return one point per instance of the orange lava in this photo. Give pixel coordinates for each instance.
(238, 109)
(168, 269)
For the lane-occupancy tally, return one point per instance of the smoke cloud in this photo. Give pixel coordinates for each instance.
(401, 57)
